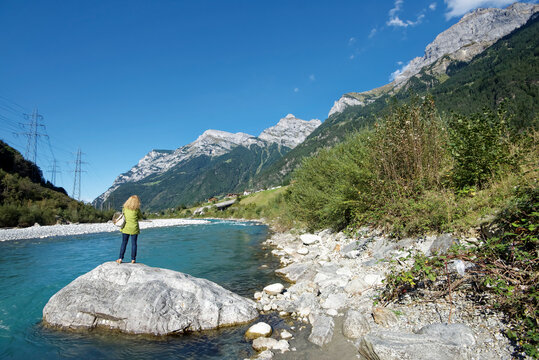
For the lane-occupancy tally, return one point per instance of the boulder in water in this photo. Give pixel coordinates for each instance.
(140, 299)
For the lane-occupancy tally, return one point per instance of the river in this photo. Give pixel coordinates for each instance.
(31, 271)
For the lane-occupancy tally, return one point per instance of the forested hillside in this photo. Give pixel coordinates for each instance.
(26, 198)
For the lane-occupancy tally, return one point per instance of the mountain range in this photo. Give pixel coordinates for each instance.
(217, 162)
(489, 55)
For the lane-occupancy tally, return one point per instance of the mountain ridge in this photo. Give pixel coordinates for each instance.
(475, 32)
(211, 144)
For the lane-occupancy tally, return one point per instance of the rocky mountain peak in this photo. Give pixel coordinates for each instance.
(289, 131)
(475, 32)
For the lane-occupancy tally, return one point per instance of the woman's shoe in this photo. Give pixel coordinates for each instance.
(119, 261)
(132, 261)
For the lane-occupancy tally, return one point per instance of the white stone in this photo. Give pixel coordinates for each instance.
(334, 301)
(258, 295)
(332, 312)
(309, 239)
(373, 279)
(282, 346)
(303, 251)
(264, 343)
(260, 329)
(265, 355)
(274, 289)
(286, 335)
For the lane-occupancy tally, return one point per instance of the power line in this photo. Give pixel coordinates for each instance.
(32, 134)
(78, 170)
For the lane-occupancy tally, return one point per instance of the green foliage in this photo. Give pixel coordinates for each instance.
(26, 200)
(330, 188)
(408, 148)
(424, 272)
(479, 145)
(373, 173)
(506, 268)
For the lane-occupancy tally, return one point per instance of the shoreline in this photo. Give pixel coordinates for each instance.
(331, 281)
(45, 231)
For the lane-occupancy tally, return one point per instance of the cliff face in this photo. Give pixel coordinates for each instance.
(475, 32)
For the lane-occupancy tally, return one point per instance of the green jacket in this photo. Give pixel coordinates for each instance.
(131, 221)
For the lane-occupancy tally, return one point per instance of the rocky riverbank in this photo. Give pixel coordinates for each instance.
(37, 231)
(334, 280)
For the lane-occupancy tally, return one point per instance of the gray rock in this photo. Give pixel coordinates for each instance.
(355, 324)
(442, 244)
(334, 301)
(440, 342)
(356, 286)
(136, 298)
(322, 331)
(456, 334)
(297, 272)
(309, 239)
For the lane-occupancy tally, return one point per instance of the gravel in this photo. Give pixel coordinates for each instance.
(41, 232)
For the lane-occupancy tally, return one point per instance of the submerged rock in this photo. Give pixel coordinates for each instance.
(136, 298)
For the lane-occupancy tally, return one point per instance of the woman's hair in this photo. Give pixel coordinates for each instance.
(133, 203)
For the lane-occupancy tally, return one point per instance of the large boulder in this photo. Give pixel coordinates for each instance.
(438, 341)
(136, 298)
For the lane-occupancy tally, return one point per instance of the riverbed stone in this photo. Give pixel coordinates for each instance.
(356, 286)
(260, 329)
(286, 335)
(136, 298)
(322, 330)
(309, 239)
(274, 289)
(355, 324)
(383, 316)
(441, 342)
(334, 301)
(264, 343)
(296, 272)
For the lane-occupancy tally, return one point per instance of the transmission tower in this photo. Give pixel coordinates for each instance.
(78, 170)
(53, 170)
(33, 134)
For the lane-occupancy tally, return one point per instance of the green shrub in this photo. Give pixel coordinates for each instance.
(409, 148)
(373, 172)
(479, 145)
(330, 188)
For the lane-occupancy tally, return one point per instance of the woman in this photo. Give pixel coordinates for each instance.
(131, 211)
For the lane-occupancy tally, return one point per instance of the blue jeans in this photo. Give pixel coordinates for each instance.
(125, 239)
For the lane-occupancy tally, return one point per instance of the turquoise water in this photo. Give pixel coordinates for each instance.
(31, 271)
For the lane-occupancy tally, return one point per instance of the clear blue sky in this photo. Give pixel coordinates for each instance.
(120, 78)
